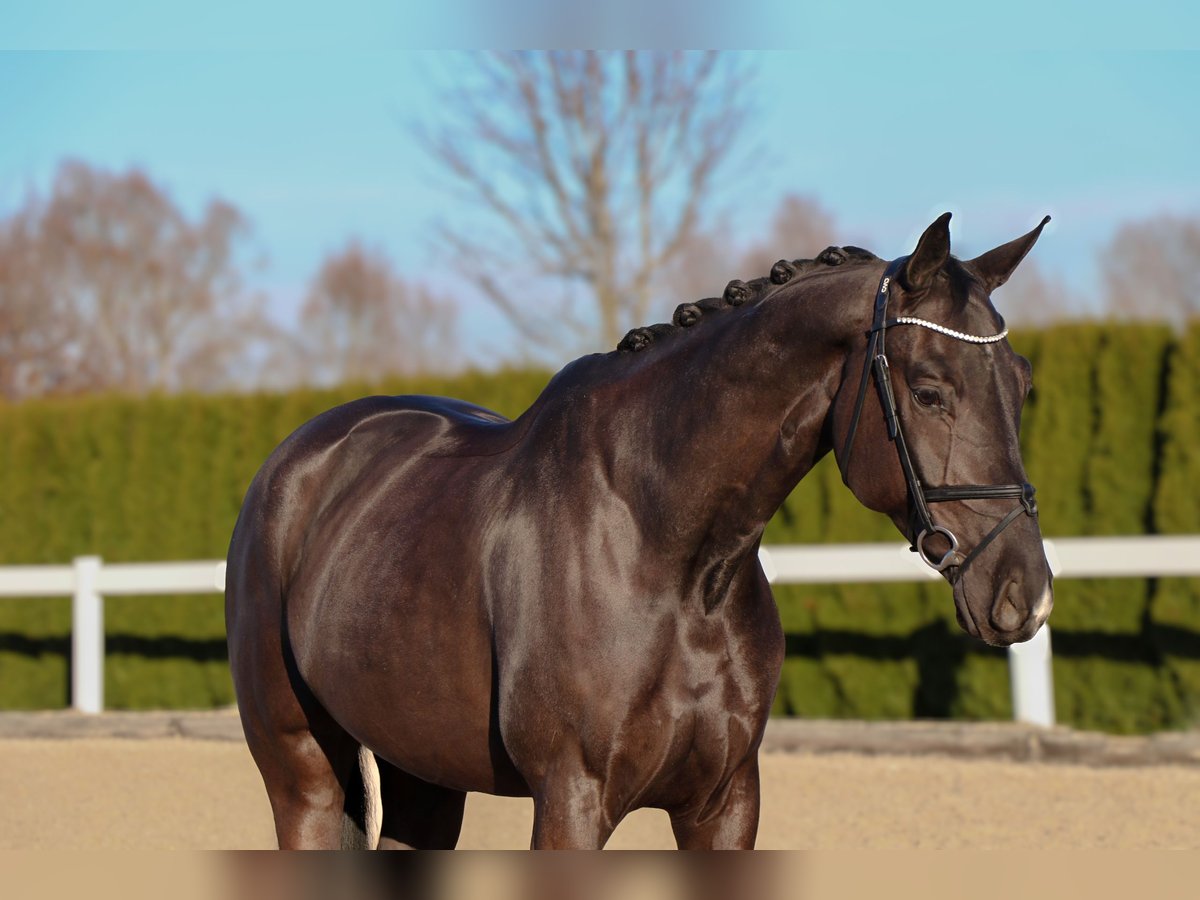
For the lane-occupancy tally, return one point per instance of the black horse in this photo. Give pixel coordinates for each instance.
(570, 606)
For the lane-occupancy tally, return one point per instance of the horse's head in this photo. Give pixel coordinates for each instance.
(947, 466)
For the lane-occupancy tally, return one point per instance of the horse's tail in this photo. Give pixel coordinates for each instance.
(361, 814)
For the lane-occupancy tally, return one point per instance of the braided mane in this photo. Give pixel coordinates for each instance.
(739, 293)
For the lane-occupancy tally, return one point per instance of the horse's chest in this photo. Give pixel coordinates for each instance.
(691, 720)
(683, 748)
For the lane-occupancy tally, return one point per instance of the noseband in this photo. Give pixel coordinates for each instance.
(919, 497)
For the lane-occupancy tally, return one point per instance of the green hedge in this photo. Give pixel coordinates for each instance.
(1108, 437)
(1175, 622)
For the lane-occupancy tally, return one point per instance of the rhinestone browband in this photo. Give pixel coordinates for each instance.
(950, 332)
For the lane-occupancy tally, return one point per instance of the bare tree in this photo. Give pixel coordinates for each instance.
(1152, 268)
(800, 228)
(37, 324)
(106, 285)
(591, 171)
(362, 322)
(1033, 298)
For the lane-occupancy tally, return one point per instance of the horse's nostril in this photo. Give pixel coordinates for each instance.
(1006, 613)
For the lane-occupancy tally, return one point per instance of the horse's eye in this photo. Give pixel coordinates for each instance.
(927, 396)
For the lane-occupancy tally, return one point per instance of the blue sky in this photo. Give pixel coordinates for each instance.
(315, 145)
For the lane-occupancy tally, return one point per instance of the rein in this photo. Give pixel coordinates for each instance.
(919, 497)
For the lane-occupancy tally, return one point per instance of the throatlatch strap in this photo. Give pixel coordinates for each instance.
(848, 447)
(874, 348)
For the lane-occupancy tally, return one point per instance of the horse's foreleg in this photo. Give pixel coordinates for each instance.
(569, 814)
(417, 814)
(731, 825)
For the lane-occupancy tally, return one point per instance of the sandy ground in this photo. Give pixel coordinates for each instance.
(179, 793)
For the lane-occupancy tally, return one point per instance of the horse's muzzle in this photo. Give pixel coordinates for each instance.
(1014, 615)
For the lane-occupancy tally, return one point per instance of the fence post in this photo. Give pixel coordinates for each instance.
(87, 638)
(1032, 677)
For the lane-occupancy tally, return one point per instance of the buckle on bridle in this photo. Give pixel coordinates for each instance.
(1028, 501)
(950, 558)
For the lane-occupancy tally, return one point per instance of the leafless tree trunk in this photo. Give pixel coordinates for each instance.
(591, 170)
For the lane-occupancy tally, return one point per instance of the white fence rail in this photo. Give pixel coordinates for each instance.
(88, 581)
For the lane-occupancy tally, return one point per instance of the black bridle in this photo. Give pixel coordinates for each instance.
(919, 496)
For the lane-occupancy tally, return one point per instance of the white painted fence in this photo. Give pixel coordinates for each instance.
(88, 580)
(1030, 670)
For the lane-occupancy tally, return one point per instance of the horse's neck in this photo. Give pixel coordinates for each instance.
(728, 423)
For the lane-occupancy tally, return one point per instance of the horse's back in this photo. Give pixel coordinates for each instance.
(331, 453)
(343, 438)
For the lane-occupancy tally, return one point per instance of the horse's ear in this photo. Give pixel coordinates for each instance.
(933, 249)
(995, 266)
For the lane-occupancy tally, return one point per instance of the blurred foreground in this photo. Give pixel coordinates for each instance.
(1097, 875)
